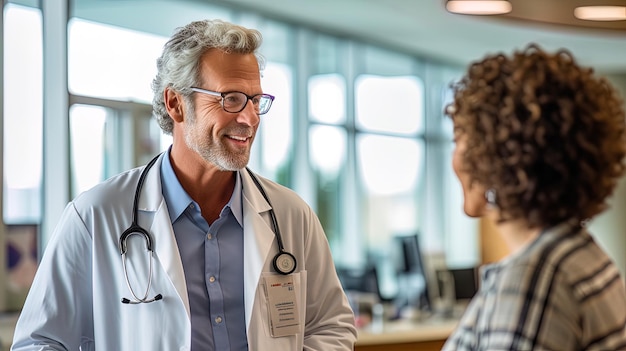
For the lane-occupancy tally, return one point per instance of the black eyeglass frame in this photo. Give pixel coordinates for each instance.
(243, 106)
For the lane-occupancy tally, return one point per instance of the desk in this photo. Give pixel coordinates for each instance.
(406, 335)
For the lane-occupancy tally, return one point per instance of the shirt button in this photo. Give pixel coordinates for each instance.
(218, 319)
(212, 279)
(209, 236)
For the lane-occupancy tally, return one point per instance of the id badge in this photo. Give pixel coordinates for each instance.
(280, 291)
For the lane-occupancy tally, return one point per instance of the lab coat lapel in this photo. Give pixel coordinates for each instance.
(258, 239)
(164, 241)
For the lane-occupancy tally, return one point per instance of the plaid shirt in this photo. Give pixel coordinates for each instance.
(562, 292)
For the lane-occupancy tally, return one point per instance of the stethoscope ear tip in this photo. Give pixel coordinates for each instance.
(138, 301)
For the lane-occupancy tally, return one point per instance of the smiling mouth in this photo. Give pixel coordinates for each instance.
(238, 138)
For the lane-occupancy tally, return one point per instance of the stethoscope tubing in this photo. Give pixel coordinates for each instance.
(284, 262)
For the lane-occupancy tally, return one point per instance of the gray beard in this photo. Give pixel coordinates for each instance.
(216, 154)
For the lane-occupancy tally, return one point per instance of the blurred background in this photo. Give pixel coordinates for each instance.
(357, 127)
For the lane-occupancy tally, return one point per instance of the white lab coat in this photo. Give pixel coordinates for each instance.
(74, 302)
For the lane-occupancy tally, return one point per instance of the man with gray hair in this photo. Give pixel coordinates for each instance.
(203, 253)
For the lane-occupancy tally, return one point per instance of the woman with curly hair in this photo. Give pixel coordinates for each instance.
(540, 145)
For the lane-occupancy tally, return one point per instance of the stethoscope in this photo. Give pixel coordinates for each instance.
(284, 262)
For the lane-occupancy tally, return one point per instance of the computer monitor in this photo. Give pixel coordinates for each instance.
(465, 282)
(362, 280)
(412, 277)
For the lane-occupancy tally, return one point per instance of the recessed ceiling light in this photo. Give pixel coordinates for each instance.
(479, 7)
(600, 13)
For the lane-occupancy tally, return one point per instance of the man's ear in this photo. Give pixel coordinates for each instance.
(174, 104)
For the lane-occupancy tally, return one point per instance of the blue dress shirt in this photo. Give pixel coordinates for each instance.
(212, 256)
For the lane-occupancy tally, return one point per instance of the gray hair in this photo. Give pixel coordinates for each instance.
(178, 66)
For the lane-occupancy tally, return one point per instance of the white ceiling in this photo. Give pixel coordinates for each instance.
(421, 27)
(424, 27)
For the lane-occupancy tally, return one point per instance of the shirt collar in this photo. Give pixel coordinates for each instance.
(178, 200)
(235, 200)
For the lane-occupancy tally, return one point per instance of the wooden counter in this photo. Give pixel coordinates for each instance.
(406, 335)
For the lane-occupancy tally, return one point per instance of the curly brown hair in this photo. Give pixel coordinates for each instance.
(545, 133)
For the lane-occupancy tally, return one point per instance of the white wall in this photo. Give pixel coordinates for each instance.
(609, 228)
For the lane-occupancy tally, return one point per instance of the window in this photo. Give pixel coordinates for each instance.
(111, 125)
(327, 98)
(23, 114)
(390, 170)
(327, 154)
(111, 62)
(389, 153)
(87, 142)
(276, 131)
(389, 104)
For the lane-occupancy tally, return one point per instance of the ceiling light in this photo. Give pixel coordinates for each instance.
(479, 7)
(601, 13)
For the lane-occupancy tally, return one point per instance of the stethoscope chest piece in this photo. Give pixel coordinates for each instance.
(284, 263)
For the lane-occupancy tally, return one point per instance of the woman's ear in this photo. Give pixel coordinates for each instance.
(174, 104)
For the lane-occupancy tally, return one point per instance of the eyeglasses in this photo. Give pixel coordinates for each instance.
(236, 101)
